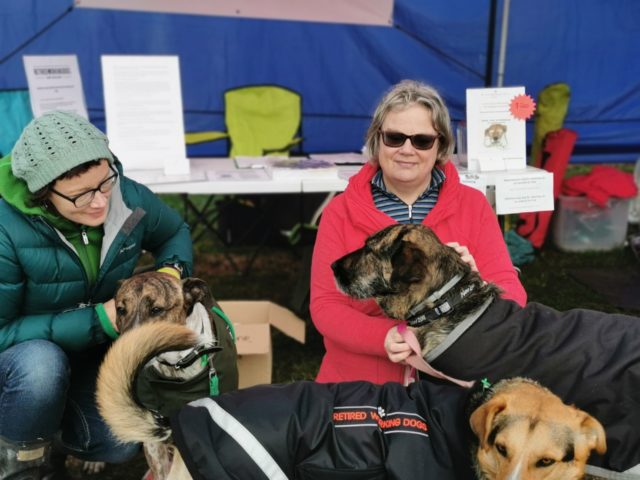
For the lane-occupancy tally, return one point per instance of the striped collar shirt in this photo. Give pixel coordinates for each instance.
(390, 204)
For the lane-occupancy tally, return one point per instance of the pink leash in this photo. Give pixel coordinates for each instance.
(416, 362)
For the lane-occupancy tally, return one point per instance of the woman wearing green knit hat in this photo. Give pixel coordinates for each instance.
(71, 227)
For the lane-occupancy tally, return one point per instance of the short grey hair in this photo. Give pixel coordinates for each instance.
(402, 95)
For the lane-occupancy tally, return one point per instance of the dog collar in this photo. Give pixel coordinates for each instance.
(196, 352)
(422, 313)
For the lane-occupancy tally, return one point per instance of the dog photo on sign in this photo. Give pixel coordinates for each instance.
(495, 135)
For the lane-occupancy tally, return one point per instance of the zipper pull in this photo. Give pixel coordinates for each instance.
(85, 237)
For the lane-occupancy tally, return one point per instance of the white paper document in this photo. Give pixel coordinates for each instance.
(253, 162)
(524, 192)
(54, 84)
(301, 168)
(474, 180)
(158, 177)
(496, 139)
(143, 107)
(348, 158)
(238, 175)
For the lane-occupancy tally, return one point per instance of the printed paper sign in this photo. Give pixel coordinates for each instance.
(530, 191)
(54, 84)
(143, 107)
(474, 180)
(496, 139)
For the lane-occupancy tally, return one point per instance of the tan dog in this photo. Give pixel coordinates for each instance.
(158, 297)
(526, 432)
(523, 430)
(495, 135)
(467, 331)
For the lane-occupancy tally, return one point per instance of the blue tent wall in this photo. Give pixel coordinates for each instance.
(342, 70)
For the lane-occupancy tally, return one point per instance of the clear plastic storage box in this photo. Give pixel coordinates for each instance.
(580, 225)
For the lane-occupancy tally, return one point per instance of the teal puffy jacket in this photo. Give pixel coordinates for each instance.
(44, 289)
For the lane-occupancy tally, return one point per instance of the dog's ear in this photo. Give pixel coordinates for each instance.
(195, 291)
(408, 263)
(594, 433)
(482, 418)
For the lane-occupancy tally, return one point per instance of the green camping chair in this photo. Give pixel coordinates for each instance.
(261, 120)
(15, 114)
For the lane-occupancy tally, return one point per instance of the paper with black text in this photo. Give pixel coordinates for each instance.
(529, 191)
(496, 139)
(143, 108)
(54, 84)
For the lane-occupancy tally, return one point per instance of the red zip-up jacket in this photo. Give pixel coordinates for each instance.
(354, 330)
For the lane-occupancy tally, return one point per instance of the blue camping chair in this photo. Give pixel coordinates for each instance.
(15, 114)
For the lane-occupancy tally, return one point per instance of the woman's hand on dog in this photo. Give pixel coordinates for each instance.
(397, 349)
(465, 255)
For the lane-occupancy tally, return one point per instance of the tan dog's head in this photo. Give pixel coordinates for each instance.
(154, 296)
(495, 132)
(527, 432)
(398, 266)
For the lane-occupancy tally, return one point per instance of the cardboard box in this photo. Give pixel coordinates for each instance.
(252, 320)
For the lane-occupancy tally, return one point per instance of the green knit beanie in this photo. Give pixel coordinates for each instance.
(53, 144)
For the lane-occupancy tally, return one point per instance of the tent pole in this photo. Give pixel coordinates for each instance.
(503, 42)
(488, 73)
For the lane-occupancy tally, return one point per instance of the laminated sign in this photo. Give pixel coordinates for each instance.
(496, 134)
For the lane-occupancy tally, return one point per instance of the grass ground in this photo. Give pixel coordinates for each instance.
(277, 272)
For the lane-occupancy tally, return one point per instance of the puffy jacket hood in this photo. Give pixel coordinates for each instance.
(14, 190)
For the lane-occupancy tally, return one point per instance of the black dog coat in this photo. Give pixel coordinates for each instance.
(588, 358)
(312, 431)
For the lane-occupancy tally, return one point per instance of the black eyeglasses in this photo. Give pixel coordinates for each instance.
(421, 141)
(85, 198)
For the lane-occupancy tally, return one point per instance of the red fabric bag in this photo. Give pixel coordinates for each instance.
(556, 152)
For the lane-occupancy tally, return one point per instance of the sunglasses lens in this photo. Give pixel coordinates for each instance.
(423, 142)
(393, 139)
(419, 141)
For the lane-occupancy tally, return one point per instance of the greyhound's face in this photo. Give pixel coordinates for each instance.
(155, 296)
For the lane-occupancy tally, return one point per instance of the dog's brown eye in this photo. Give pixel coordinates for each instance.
(545, 462)
(156, 311)
(121, 311)
(502, 450)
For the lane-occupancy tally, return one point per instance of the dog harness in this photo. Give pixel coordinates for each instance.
(313, 431)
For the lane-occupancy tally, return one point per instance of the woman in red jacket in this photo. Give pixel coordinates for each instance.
(407, 180)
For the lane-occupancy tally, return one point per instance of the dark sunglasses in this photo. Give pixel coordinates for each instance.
(84, 199)
(420, 141)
